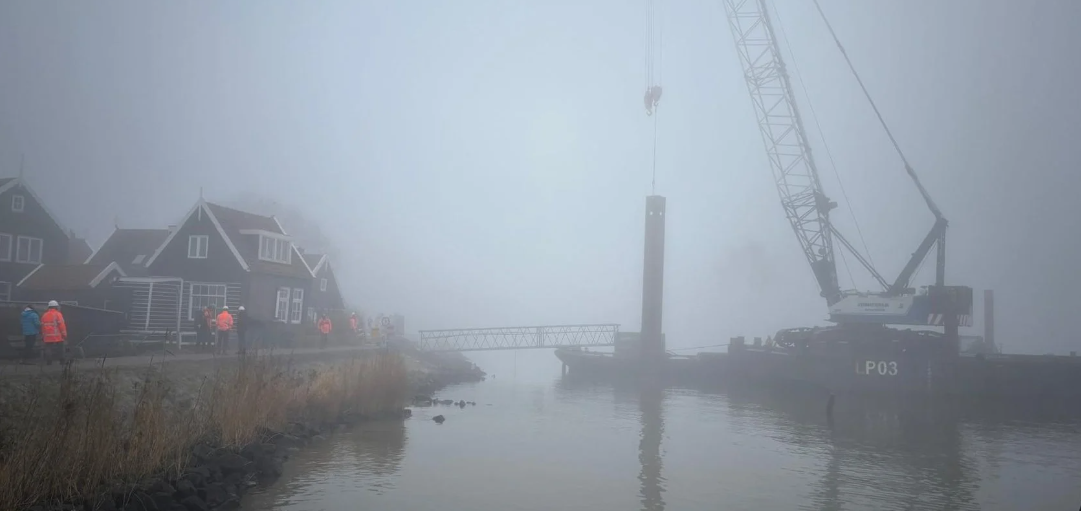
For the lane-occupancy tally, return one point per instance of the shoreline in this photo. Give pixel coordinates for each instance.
(214, 426)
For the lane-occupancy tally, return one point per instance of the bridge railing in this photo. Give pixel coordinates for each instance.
(519, 337)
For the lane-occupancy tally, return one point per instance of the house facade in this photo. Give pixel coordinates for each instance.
(229, 257)
(86, 285)
(29, 235)
(326, 296)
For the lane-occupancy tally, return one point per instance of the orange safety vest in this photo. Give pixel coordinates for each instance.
(53, 328)
(324, 325)
(353, 323)
(225, 321)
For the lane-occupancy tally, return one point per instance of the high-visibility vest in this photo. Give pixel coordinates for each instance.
(225, 321)
(353, 323)
(324, 325)
(53, 328)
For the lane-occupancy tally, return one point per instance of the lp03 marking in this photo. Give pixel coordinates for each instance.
(880, 367)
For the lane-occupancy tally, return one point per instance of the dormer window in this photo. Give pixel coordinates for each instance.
(18, 203)
(275, 250)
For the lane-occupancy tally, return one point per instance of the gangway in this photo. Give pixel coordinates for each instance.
(519, 337)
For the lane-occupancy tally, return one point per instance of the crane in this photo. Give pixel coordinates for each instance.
(807, 207)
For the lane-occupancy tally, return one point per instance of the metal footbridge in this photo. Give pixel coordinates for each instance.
(519, 337)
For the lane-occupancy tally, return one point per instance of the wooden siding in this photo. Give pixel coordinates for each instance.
(220, 264)
(33, 221)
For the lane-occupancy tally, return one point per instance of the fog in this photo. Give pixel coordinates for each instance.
(485, 163)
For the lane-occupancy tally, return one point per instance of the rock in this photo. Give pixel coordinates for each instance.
(140, 501)
(268, 466)
(213, 494)
(193, 503)
(234, 478)
(286, 440)
(232, 503)
(439, 419)
(231, 462)
(101, 503)
(203, 452)
(184, 488)
(318, 438)
(163, 501)
(161, 486)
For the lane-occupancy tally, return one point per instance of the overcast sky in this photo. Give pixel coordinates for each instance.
(485, 162)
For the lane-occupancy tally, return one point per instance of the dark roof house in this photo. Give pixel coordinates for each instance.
(326, 295)
(78, 249)
(129, 248)
(30, 235)
(231, 257)
(81, 284)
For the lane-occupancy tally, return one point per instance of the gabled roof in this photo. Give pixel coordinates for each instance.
(315, 261)
(125, 246)
(8, 183)
(67, 277)
(245, 247)
(78, 250)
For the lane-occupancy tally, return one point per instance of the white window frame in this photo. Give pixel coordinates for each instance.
(11, 247)
(275, 250)
(281, 307)
(297, 314)
(201, 241)
(323, 285)
(208, 294)
(29, 249)
(18, 203)
(5, 291)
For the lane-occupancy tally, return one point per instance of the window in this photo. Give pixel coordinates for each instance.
(197, 245)
(322, 284)
(5, 291)
(202, 295)
(18, 203)
(5, 247)
(298, 305)
(139, 259)
(275, 250)
(281, 311)
(28, 250)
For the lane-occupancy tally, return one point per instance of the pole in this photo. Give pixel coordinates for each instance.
(989, 317)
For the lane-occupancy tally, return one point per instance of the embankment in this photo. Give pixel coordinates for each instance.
(191, 433)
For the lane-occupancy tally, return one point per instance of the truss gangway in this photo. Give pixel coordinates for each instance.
(519, 337)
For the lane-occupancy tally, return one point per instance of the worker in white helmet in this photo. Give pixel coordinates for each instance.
(54, 333)
(225, 324)
(241, 328)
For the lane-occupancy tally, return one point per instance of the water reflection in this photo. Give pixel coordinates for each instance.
(651, 408)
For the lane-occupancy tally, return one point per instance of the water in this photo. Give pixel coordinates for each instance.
(542, 443)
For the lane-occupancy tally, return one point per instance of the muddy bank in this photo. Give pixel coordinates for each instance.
(190, 434)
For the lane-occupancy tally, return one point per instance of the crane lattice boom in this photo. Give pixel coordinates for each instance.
(794, 172)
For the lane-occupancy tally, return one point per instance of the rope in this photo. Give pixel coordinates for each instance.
(653, 183)
(653, 61)
(881, 120)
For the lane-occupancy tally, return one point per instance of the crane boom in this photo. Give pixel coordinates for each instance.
(794, 172)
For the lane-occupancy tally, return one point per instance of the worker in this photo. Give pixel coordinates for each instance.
(31, 323)
(324, 328)
(354, 324)
(54, 333)
(225, 324)
(241, 329)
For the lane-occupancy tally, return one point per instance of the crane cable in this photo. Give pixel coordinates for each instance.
(653, 72)
(908, 168)
(825, 145)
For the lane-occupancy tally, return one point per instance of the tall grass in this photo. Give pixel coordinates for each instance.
(72, 437)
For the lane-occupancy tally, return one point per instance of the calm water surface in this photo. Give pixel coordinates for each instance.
(546, 443)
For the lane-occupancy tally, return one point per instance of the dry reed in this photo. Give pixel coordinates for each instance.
(72, 437)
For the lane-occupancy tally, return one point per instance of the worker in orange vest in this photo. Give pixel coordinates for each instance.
(324, 328)
(225, 324)
(54, 332)
(353, 324)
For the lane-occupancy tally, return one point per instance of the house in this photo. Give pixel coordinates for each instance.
(325, 295)
(87, 285)
(130, 249)
(224, 256)
(29, 235)
(78, 249)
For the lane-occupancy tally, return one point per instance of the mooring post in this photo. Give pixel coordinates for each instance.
(989, 318)
(652, 349)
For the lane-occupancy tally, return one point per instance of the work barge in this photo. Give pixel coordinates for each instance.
(860, 359)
